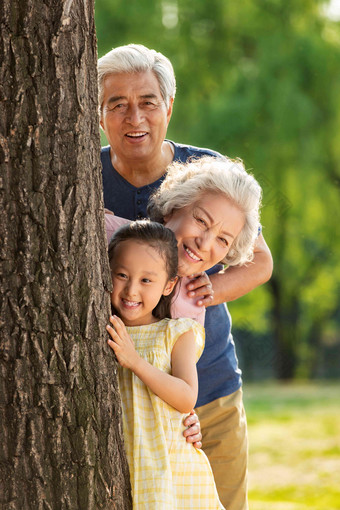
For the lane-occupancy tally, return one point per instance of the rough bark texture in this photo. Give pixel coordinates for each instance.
(60, 434)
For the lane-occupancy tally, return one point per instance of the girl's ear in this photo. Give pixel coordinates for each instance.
(170, 286)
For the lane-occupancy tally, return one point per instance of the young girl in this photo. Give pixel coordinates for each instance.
(157, 376)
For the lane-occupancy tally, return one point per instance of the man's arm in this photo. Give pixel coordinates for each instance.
(236, 281)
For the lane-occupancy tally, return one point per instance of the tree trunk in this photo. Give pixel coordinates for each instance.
(60, 435)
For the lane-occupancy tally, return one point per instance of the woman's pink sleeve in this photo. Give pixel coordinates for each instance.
(183, 306)
(113, 222)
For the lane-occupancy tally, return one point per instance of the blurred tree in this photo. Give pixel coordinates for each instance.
(60, 435)
(261, 80)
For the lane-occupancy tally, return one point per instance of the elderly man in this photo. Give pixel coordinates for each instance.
(136, 92)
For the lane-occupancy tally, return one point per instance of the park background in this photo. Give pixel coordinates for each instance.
(261, 81)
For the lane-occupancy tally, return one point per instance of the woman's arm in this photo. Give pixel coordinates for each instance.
(179, 389)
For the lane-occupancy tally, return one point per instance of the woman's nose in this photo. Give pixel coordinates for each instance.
(205, 240)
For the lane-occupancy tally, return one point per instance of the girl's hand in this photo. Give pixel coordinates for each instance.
(122, 343)
(193, 431)
(200, 286)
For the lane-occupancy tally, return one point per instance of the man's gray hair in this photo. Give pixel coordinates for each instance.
(136, 58)
(185, 183)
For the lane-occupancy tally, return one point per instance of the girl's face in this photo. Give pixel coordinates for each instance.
(205, 231)
(139, 280)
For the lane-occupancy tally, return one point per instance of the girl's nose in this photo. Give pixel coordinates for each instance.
(131, 288)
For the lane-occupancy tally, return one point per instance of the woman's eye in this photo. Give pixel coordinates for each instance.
(224, 241)
(121, 275)
(201, 220)
(146, 280)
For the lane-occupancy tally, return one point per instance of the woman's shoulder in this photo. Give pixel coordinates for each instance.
(112, 223)
(183, 306)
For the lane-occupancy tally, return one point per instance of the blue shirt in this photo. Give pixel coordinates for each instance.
(218, 371)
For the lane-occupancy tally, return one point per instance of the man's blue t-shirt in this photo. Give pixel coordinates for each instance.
(218, 371)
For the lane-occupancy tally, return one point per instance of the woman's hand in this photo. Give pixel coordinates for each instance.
(193, 431)
(200, 287)
(122, 343)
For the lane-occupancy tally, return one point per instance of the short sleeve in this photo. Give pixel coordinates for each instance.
(178, 327)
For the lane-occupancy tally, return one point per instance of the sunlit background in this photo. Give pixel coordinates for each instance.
(260, 80)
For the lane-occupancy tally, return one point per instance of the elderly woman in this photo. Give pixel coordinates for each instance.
(212, 206)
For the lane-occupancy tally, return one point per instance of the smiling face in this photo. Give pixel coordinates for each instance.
(205, 231)
(134, 116)
(139, 280)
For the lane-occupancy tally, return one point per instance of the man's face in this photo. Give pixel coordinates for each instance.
(134, 116)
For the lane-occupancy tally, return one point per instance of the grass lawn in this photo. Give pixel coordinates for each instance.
(294, 445)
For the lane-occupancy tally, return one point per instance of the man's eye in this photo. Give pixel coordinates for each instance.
(149, 105)
(119, 107)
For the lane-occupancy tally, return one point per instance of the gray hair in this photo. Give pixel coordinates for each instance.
(186, 182)
(136, 58)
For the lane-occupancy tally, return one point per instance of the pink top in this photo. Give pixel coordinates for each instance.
(182, 305)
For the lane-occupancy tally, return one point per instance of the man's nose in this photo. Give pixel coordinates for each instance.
(134, 115)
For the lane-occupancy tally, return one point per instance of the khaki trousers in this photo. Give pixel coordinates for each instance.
(225, 442)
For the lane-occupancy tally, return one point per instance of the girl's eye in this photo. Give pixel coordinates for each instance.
(121, 275)
(146, 280)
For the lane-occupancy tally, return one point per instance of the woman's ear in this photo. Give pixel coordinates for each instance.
(170, 286)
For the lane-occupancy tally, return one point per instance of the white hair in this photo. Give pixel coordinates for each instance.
(136, 58)
(186, 182)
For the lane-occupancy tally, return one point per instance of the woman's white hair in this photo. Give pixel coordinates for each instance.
(185, 183)
(136, 58)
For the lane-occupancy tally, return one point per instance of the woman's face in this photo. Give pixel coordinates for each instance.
(205, 231)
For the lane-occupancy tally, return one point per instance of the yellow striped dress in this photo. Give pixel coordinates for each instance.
(166, 472)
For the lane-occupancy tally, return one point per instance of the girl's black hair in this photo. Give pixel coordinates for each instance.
(163, 240)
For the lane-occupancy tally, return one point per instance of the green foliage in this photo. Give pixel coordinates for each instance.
(294, 446)
(261, 80)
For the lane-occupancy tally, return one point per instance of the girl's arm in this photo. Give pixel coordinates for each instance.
(179, 389)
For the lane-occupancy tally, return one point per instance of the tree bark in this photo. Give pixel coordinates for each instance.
(60, 435)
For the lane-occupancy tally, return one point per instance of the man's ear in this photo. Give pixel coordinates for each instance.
(170, 286)
(169, 112)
